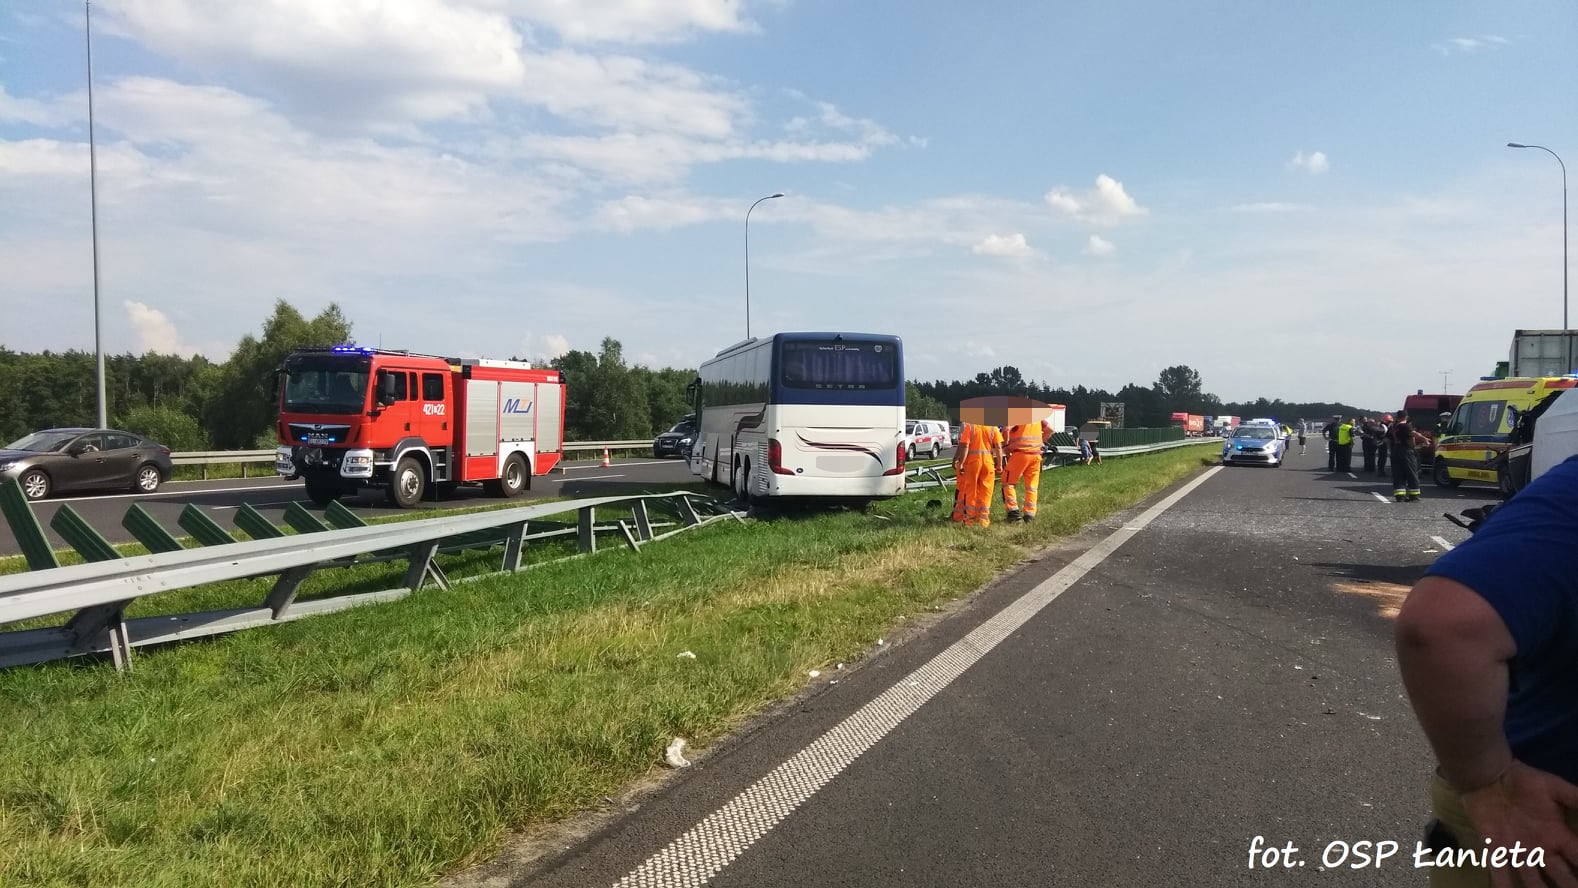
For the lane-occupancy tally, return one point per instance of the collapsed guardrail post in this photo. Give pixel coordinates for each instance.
(586, 529)
(643, 521)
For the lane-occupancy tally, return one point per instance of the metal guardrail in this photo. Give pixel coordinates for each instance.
(206, 458)
(218, 457)
(100, 591)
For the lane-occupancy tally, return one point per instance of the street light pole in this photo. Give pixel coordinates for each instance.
(93, 197)
(1566, 336)
(748, 261)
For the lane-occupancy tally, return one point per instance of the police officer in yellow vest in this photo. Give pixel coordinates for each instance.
(1344, 440)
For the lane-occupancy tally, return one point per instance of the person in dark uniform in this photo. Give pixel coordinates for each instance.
(1330, 434)
(1385, 448)
(1369, 442)
(1402, 438)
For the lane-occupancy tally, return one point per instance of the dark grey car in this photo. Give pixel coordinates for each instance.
(84, 459)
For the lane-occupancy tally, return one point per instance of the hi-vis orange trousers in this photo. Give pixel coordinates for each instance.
(973, 499)
(1026, 467)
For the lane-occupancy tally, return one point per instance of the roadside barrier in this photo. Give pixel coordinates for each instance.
(98, 592)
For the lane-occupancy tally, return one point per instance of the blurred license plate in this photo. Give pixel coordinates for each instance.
(318, 439)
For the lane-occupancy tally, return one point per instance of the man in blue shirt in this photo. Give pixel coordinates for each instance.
(1488, 647)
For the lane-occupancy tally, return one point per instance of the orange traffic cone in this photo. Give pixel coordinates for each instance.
(606, 462)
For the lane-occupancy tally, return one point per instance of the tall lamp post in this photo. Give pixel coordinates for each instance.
(1566, 337)
(748, 261)
(93, 197)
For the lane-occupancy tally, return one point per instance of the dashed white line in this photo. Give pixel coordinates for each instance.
(1379, 497)
(694, 858)
(1445, 546)
(164, 492)
(1353, 476)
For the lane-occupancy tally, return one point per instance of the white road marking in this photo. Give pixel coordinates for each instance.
(709, 846)
(1445, 546)
(1353, 476)
(256, 505)
(595, 477)
(1379, 497)
(618, 464)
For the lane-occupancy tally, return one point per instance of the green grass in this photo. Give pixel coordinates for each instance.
(391, 744)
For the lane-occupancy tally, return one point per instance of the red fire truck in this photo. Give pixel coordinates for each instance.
(416, 425)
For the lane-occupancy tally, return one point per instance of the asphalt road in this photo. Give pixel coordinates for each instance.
(220, 499)
(1225, 673)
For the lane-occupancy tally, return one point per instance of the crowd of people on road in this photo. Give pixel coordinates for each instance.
(1380, 439)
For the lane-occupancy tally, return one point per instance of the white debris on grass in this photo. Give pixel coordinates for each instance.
(674, 756)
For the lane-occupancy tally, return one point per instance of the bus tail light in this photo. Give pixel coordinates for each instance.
(898, 468)
(775, 458)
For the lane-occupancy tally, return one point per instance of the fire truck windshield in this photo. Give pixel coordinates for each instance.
(325, 384)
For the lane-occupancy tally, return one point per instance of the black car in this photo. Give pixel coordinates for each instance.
(84, 459)
(676, 441)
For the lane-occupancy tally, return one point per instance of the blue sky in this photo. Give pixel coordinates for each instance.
(1308, 201)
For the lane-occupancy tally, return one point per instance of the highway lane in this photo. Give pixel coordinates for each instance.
(219, 499)
(1226, 673)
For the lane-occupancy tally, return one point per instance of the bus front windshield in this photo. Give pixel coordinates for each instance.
(325, 385)
(840, 366)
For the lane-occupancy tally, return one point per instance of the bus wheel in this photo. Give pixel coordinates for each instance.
(407, 484)
(742, 484)
(1438, 474)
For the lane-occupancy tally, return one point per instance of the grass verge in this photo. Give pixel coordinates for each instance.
(391, 744)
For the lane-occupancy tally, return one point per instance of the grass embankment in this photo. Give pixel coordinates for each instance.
(390, 744)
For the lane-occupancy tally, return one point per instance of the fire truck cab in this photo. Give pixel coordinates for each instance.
(417, 426)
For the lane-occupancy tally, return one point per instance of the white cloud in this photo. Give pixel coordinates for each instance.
(1107, 202)
(380, 61)
(637, 213)
(1313, 163)
(630, 21)
(542, 348)
(1467, 45)
(37, 113)
(1268, 207)
(153, 331)
(1099, 246)
(1012, 245)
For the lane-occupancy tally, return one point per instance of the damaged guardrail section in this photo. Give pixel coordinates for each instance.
(98, 593)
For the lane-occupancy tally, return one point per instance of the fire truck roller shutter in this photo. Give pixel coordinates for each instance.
(518, 420)
(550, 432)
(482, 417)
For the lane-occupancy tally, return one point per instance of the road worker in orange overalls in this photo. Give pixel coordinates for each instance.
(977, 457)
(1023, 446)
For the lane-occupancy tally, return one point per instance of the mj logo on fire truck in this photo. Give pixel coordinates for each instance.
(514, 405)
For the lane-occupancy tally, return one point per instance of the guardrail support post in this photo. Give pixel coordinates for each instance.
(687, 511)
(643, 522)
(422, 567)
(283, 594)
(586, 529)
(29, 533)
(90, 621)
(514, 546)
(630, 538)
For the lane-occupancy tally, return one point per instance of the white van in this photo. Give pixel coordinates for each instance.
(926, 437)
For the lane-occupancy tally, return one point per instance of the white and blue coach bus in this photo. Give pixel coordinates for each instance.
(813, 416)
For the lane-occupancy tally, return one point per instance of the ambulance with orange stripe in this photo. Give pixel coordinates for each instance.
(1472, 442)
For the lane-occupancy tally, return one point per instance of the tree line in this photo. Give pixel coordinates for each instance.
(192, 403)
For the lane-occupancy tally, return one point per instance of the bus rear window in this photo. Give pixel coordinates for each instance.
(840, 365)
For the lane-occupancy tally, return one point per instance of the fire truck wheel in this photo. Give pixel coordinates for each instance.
(513, 481)
(407, 484)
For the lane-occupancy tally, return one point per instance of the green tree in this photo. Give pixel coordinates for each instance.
(1179, 388)
(239, 409)
(168, 425)
(607, 400)
(919, 405)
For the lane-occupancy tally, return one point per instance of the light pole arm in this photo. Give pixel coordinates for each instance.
(1569, 368)
(748, 261)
